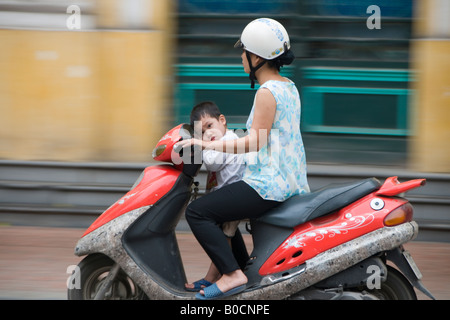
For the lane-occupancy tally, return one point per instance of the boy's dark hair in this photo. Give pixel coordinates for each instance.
(206, 108)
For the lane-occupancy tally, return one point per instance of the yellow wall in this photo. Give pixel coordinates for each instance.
(101, 95)
(431, 142)
(430, 147)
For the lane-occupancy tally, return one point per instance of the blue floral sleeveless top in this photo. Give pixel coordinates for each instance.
(278, 170)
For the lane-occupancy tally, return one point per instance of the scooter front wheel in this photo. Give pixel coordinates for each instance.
(92, 272)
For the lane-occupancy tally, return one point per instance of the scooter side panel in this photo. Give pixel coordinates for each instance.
(336, 260)
(263, 247)
(318, 235)
(156, 182)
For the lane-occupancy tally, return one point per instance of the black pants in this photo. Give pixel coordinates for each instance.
(205, 215)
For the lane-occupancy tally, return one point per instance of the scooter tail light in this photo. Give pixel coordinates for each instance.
(402, 214)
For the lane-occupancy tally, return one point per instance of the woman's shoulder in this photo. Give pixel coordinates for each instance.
(278, 88)
(277, 85)
(278, 82)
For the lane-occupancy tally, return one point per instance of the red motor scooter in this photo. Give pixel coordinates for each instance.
(333, 243)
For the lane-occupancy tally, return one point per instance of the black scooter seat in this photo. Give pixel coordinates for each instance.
(305, 207)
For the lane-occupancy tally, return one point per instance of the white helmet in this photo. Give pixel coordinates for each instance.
(264, 37)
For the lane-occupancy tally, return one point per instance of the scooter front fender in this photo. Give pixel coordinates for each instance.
(107, 238)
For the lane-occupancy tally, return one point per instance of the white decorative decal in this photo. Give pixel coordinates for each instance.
(353, 223)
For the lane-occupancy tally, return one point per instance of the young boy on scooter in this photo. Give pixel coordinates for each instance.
(223, 168)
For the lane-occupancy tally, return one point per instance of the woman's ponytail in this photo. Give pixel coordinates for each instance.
(285, 59)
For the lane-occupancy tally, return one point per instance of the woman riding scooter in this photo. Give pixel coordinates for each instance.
(277, 171)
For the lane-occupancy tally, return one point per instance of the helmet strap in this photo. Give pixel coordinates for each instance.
(253, 70)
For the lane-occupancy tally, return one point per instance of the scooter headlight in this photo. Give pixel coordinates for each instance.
(400, 215)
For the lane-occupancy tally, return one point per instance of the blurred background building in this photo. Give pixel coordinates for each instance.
(86, 80)
(102, 80)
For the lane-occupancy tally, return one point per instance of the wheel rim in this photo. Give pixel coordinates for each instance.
(396, 287)
(123, 287)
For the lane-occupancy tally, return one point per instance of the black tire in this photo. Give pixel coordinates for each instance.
(87, 279)
(396, 287)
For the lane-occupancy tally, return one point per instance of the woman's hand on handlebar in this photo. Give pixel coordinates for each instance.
(193, 142)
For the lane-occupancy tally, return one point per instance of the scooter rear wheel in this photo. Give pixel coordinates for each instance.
(92, 271)
(396, 287)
